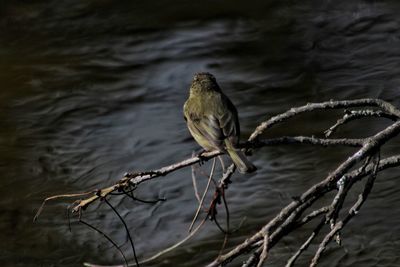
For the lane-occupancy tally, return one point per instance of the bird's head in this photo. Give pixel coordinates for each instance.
(204, 82)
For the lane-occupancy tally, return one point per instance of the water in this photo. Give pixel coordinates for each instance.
(90, 90)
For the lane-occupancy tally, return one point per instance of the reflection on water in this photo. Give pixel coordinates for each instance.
(93, 89)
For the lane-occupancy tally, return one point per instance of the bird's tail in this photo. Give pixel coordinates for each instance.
(239, 159)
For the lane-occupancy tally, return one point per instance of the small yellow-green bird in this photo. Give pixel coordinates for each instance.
(213, 121)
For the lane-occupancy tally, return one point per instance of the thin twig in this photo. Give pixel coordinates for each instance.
(191, 234)
(357, 114)
(203, 197)
(126, 229)
(305, 245)
(264, 252)
(143, 200)
(312, 215)
(227, 222)
(385, 106)
(289, 213)
(107, 237)
(290, 140)
(352, 212)
(57, 197)
(196, 191)
(252, 260)
(221, 160)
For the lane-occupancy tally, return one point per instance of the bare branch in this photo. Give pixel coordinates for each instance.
(290, 217)
(204, 195)
(357, 114)
(106, 237)
(194, 181)
(137, 178)
(313, 215)
(352, 212)
(305, 245)
(293, 209)
(264, 252)
(126, 229)
(385, 106)
(287, 140)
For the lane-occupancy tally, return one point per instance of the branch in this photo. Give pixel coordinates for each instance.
(137, 178)
(251, 242)
(290, 217)
(287, 140)
(385, 106)
(357, 114)
(352, 212)
(287, 214)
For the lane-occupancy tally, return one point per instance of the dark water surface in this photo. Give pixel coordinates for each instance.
(92, 89)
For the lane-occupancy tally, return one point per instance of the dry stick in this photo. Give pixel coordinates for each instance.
(331, 209)
(221, 160)
(68, 218)
(352, 212)
(284, 228)
(281, 230)
(252, 260)
(385, 106)
(145, 176)
(357, 114)
(206, 175)
(257, 239)
(137, 178)
(126, 229)
(57, 197)
(288, 140)
(325, 209)
(305, 245)
(315, 232)
(334, 208)
(373, 143)
(196, 191)
(227, 232)
(312, 215)
(176, 244)
(203, 197)
(107, 237)
(159, 254)
(219, 226)
(264, 252)
(68, 210)
(344, 185)
(289, 223)
(130, 195)
(87, 264)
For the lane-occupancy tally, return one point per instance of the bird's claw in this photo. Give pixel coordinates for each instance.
(202, 159)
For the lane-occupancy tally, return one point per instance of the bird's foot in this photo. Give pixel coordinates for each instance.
(201, 157)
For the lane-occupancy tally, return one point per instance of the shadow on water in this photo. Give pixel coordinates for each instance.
(93, 89)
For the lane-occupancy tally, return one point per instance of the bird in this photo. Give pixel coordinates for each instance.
(213, 121)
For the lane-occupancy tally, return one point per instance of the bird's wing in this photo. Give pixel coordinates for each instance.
(228, 121)
(207, 132)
